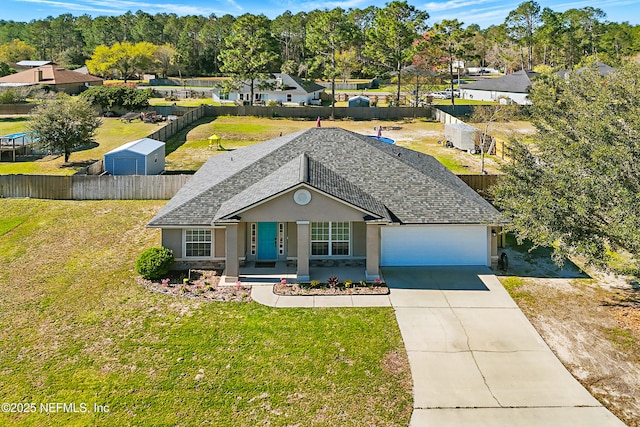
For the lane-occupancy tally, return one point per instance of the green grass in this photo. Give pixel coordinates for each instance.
(76, 327)
(9, 125)
(514, 285)
(452, 164)
(623, 339)
(111, 134)
(189, 149)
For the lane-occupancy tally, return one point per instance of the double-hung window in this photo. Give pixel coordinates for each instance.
(198, 243)
(330, 238)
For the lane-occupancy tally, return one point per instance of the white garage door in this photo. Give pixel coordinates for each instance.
(434, 245)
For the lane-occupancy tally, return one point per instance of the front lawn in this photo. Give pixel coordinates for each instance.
(76, 328)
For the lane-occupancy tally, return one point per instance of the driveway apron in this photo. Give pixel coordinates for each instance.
(475, 358)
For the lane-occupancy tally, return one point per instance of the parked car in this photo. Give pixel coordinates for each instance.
(456, 92)
(441, 95)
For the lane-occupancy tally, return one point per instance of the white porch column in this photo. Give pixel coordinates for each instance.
(373, 251)
(232, 264)
(303, 250)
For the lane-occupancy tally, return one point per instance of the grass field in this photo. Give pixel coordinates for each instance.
(190, 148)
(111, 134)
(76, 328)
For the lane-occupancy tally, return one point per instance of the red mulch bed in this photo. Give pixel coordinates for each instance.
(323, 289)
(204, 285)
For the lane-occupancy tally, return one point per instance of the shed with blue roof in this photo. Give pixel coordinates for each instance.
(141, 157)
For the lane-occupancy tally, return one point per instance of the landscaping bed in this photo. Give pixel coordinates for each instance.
(201, 284)
(316, 289)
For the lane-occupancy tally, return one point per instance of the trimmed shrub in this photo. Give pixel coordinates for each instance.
(154, 263)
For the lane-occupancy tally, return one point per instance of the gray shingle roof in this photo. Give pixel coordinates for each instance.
(518, 82)
(291, 84)
(388, 181)
(602, 68)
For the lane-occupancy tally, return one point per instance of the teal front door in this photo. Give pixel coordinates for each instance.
(267, 240)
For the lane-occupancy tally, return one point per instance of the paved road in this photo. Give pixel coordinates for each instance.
(475, 358)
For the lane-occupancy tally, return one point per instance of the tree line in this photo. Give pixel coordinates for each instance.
(529, 36)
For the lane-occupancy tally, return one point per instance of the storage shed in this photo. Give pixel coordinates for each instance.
(141, 157)
(463, 137)
(359, 101)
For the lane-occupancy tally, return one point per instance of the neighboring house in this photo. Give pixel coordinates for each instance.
(144, 156)
(284, 88)
(603, 69)
(82, 70)
(327, 194)
(512, 86)
(52, 76)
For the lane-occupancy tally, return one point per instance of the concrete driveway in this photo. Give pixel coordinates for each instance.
(475, 358)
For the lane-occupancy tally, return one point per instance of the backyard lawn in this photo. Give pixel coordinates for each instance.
(111, 134)
(76, 327)
(190, 148)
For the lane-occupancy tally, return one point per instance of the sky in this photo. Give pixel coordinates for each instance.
(481, 12)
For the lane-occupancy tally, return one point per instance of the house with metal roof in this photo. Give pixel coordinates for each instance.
(512, 86)
(33, 64)
(282, 88)
(52, 76)
(327, 195)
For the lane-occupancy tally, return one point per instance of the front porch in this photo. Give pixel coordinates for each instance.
(321, 270)
(302, 251)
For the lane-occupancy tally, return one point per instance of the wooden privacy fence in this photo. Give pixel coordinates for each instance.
(480, 183)
(173, 126)
(444, 117)
(356, 113)
(91, 187)
(131, 187)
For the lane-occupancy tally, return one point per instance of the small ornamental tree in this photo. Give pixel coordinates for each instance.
(63, 124)
(154, 263)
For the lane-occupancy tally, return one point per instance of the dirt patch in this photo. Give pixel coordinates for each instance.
(396, 363)
(299, 290)
(202, 284)
(590, 320)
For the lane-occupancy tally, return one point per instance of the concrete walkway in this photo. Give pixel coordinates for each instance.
(475, 358)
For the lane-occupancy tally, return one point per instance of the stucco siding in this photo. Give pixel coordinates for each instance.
(284, 209)
(292, 239)
(219, 243)
(489, 95)
(172, 239)
(359, 239)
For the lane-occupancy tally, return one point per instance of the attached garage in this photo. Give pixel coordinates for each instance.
(428, 245)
